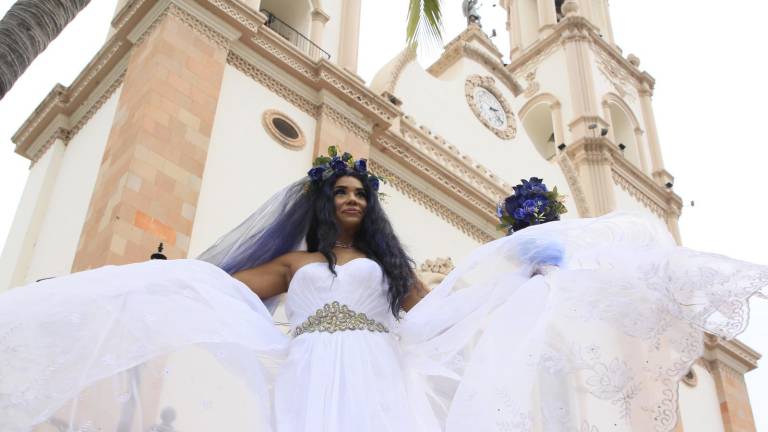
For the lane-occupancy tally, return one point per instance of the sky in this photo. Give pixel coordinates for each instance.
(709, 100)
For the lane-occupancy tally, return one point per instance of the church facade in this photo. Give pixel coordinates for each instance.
(195, 111)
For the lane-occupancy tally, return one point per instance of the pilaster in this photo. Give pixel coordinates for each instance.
(150, 176)
(349, 40)
(592, 158)
(728, 362)
(547, 16)
(319, 19)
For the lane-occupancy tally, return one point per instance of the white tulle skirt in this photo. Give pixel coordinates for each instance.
(508, 341)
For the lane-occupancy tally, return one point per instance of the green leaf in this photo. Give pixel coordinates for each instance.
(332, 152)
(424, 23)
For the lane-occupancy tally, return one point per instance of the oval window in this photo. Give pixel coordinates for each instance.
(283, 129)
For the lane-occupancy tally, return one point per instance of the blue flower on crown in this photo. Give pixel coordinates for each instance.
(326, 166)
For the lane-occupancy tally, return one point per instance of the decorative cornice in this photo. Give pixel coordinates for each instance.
(353, 92)
(462, 47)
(446, 156)
(272, 84)
(643, 188)
(345, 121)
(735, 355)
(488, 83)
(419, 195)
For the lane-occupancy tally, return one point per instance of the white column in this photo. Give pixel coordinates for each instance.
(513, 27)
(642, 149)
(657, 163)
(319, 19)
(547, 16)
(349, 39)
(557, 123)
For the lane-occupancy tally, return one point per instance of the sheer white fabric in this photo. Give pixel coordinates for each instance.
(507, 342)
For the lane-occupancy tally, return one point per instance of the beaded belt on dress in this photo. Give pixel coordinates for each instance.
(333, 317)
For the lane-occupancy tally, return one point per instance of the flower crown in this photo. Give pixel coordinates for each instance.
(530, 204)
(326, 166)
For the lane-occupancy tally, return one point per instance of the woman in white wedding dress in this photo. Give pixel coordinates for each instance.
(585, 325)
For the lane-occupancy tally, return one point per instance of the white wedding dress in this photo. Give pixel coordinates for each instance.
(582, 325)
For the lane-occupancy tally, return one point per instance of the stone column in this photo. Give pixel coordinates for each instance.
(646, 105)
(349, 39)
(595, 170)
(319, 19)
(642, 149)
(557, 123)
(547, 16)
(513, 27)
(149, 179)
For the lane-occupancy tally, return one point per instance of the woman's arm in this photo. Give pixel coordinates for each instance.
(415, 294)
(268, 280)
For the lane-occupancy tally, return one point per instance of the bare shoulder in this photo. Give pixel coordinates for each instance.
(297, 259)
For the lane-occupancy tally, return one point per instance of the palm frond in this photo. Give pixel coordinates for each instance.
(425, 23)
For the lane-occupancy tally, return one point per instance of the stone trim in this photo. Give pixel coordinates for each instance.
(273, 85)
(488, 83)
(420, 140)
(738, 356)
(344, 121)
(427, 201)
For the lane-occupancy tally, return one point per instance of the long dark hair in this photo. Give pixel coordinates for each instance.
(375, 237)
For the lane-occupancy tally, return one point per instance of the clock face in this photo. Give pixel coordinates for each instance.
(490, 108)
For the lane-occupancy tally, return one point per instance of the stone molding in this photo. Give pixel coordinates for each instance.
(345, 121)
(418, 195)
(461, 47)
(272, 84)
(488, 83)
(653, 196)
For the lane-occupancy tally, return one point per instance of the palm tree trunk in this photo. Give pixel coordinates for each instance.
(25, 31)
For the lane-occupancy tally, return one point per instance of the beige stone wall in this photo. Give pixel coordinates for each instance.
(150, 175)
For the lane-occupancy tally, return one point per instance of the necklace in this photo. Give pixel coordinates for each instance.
(343, 245)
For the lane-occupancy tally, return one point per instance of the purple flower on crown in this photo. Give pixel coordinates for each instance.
(374, 182)
(361, 166)
(316, 173)
(338, 165)
(325, 167)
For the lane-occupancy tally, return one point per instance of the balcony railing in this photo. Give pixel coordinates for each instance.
(295, 37)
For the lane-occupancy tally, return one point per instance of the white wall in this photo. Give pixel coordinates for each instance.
(61, 229)
(19, 247)
(245, 165)
(441, 106)
(699, 406)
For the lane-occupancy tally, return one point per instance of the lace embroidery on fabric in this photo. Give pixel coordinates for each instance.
(333, 317)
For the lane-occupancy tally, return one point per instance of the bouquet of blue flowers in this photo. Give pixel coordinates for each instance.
(531, 203)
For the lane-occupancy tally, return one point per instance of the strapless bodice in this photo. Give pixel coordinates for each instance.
(358, 284)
